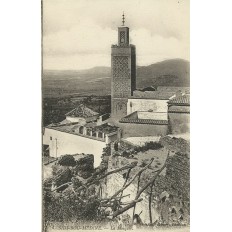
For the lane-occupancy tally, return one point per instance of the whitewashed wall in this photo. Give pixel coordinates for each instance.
(75, 119)
(146, 104)
(81, 120)
(153, 115)
(63, 143)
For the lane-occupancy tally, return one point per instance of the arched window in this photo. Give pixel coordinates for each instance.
(100, 135)
(88, 132)
(94, 134)
(81, 130)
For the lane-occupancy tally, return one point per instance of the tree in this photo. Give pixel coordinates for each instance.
(67, 160)
(80, 198)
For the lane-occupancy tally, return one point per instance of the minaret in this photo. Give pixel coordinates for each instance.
(123, 72)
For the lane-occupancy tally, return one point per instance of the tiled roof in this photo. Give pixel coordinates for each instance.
(133, 118)
(82, 111)
(144, 121)
(179, 109)
(105, 128)
(181, 100)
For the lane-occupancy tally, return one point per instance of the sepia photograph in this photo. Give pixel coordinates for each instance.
(96, 123)
(115, 115)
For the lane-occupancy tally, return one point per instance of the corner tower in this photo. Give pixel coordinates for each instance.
(123, 72)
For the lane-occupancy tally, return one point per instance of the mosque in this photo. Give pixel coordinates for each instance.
(144, 114)
(147, 112)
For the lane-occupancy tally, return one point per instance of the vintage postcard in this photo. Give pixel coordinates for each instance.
(116, 115)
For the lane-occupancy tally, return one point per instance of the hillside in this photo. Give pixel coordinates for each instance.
(96, 80)
(72, 74)
(174, 72)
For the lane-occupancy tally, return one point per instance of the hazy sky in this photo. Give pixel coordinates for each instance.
(78, 34)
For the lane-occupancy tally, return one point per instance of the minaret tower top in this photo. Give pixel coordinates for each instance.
(123, 19)
(123, 34)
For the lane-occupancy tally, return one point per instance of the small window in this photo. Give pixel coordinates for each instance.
(50, 137)
(122, 36)
(100, 135)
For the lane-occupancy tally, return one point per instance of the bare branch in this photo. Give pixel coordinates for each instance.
(68, 183)
(153, 179)
(122, 210)
(107, 199)
(133, 178)
(127, 177)
(135, 201)
(89, 181)
(136, 193)
(92, 181)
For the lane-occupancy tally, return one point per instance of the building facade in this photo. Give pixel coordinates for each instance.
(83, 131)
(179, 114)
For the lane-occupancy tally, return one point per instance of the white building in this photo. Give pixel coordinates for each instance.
(81, 132)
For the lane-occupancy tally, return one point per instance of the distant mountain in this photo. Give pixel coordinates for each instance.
(100, 71)
(173, 72)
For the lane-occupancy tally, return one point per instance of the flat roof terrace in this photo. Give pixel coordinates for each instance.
(89, 130)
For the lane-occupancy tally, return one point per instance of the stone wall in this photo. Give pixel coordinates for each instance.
(179, 123)
(140, 130)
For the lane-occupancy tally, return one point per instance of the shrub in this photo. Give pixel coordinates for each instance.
(85, 166)
(153, 145)
(64, 177)
(116, 154)
(125, 154)
(143, 149)
(137, 149)
(57, 169)
(106, 151)
(67, 160)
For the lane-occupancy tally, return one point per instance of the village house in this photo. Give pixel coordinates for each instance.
(83, 131)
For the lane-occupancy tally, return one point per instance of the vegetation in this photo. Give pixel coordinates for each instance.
(54, 109)
(75, 198)
(67, 160)
(74, 192)
(130, 151)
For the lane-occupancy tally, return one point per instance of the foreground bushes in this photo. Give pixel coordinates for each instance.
(67, 160)
(146, 147)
